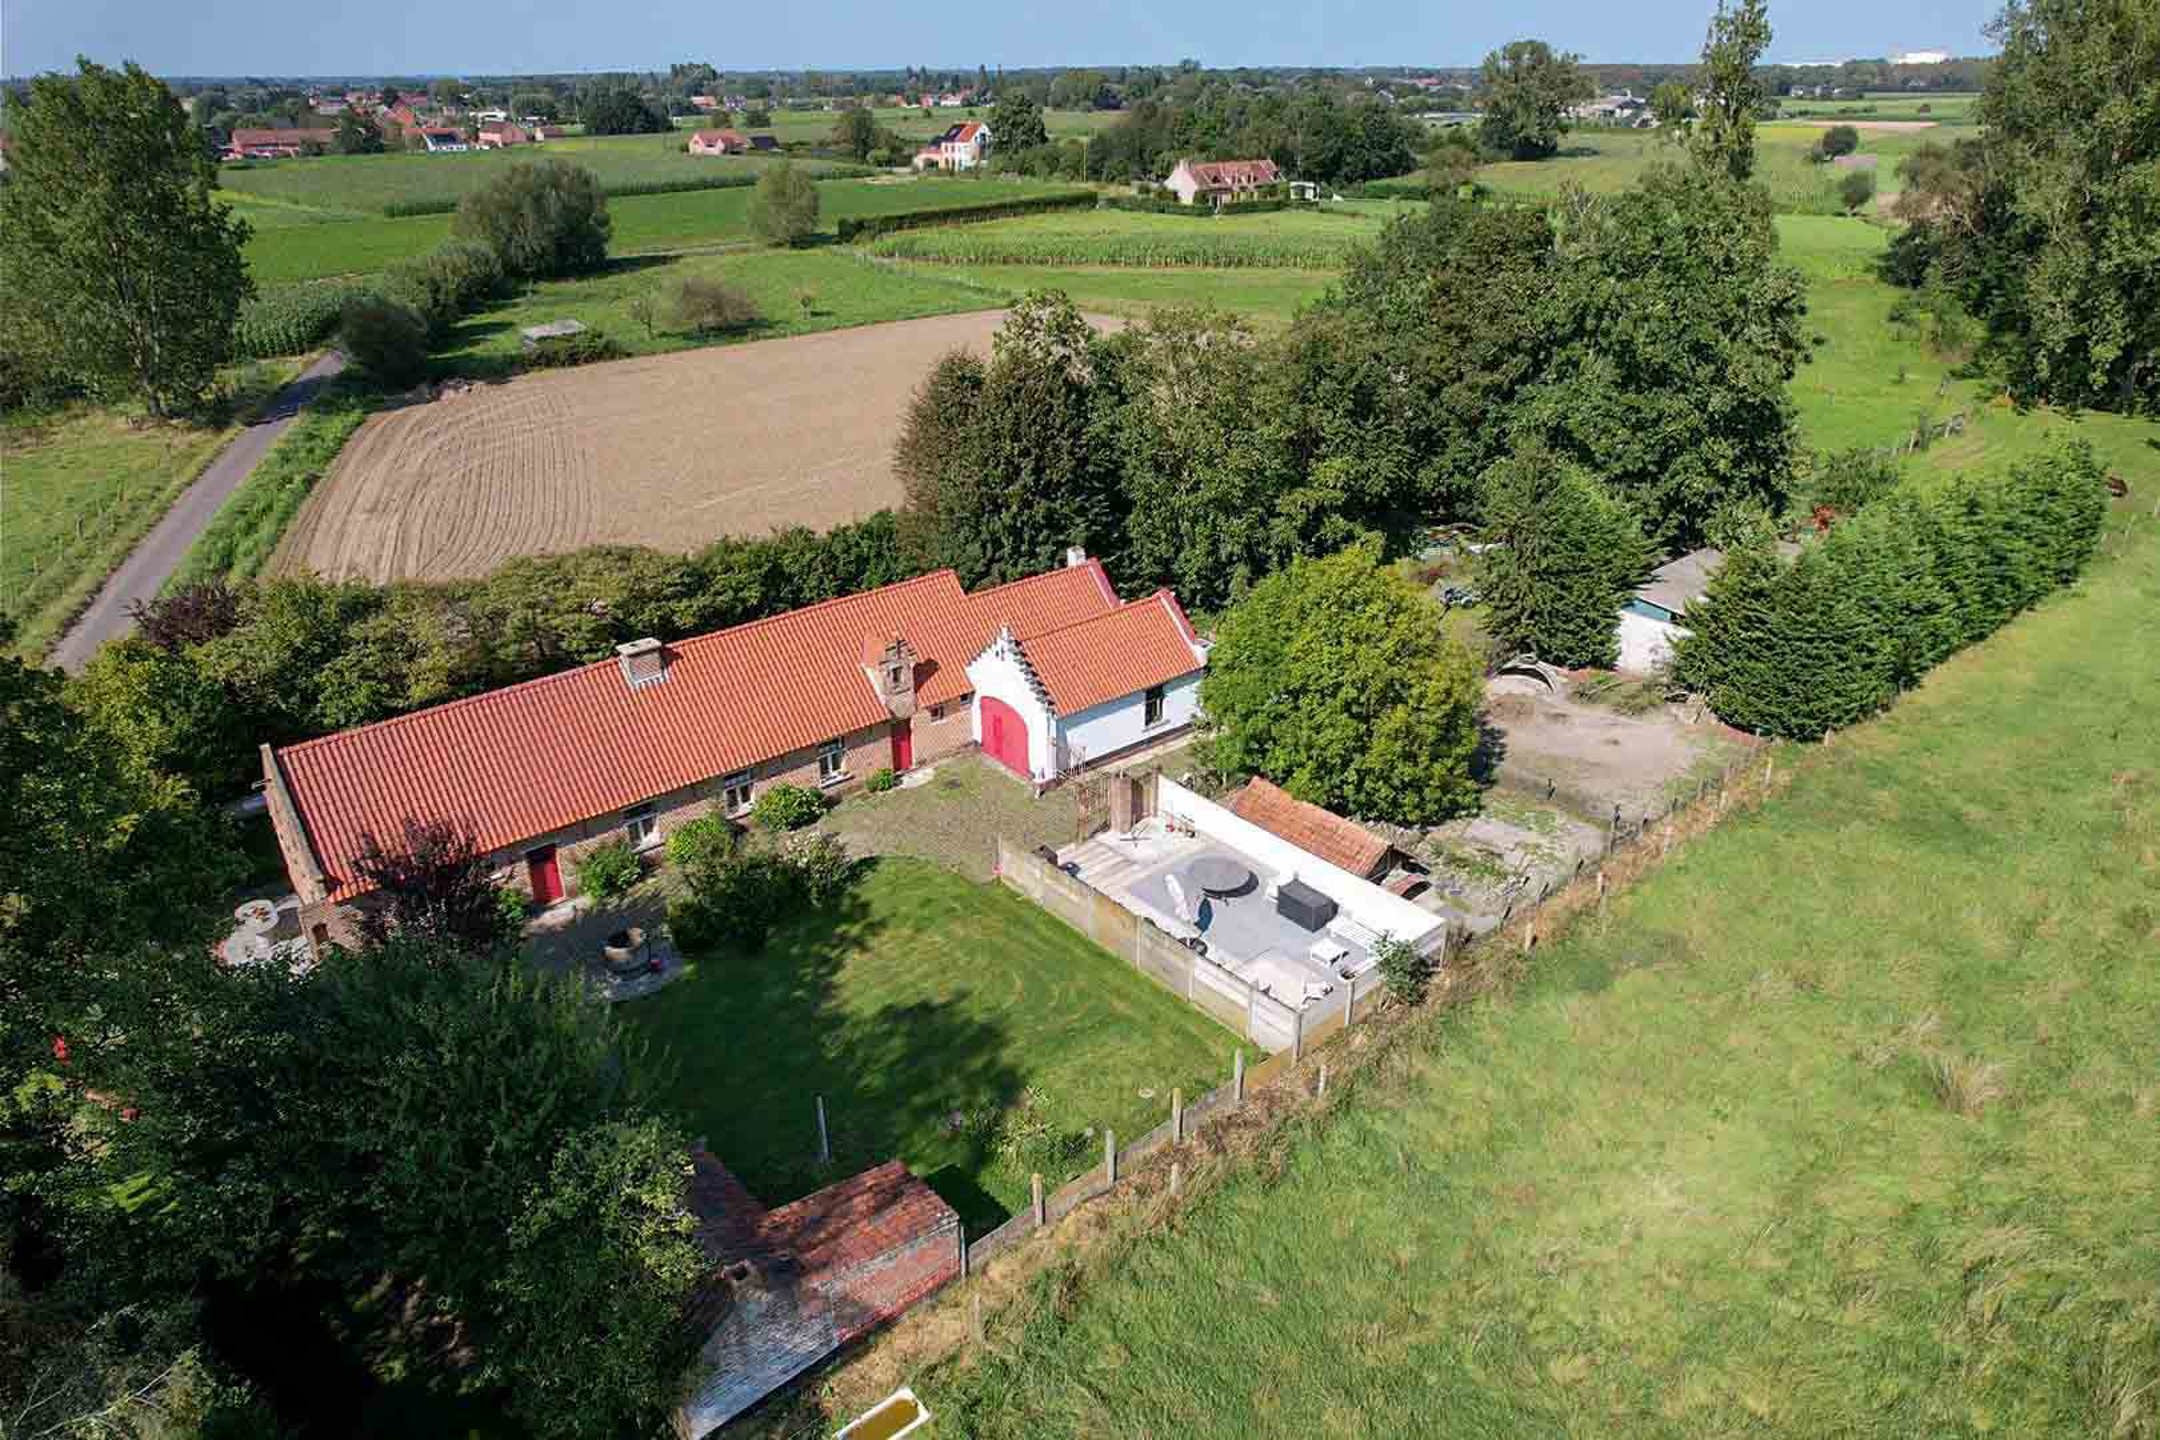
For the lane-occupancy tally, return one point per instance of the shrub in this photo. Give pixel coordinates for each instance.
(784, 206)
(1849, 479)
(1406, 972)
(823, 868)
(291, 320)
(546, 217)
(733, 902)
(705, 303)
(881, 780)
(1030, 1142)
(1837, 140)
(511, 907)
(608, 872)
(386, 341)
(702, 841)
(788, 807)
(1856, 189)
(585, 348)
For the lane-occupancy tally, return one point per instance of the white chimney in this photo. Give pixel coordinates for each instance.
(1075, 556)
(643, 662)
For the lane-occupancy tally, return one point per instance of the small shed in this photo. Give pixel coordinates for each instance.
(534, 336)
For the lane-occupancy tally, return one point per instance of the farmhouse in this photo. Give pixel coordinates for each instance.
(246, 144)
(1219, 182)
(1047, 674)
(442, 139)
(502, 134)
(718, 142)
(788, 1287)
(962, 147)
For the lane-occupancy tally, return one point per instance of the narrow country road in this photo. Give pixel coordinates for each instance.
(153, 561)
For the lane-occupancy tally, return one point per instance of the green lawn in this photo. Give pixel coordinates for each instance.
(643, 224)
(377, 182)
(1267, 295)
(83, 484)
(924, 995)
(1304, 239)
(843, 290)
(1845, 1122)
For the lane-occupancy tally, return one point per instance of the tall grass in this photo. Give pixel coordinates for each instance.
(240, 538)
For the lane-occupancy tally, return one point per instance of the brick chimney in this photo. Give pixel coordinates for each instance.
(643, 662)
(889, 662)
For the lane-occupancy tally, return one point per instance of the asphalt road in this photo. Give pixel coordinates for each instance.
(153, 561)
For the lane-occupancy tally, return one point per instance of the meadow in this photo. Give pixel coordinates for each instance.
(84, 483)
(1952, 107)
(643, 224)
(1300, 239)
(403, 182)
(1842, 1122)
(922, 997)
(815, 127)
(1603, 161)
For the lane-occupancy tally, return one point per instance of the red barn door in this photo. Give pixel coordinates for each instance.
(903, 747)
(545, 874)
(1005, 737)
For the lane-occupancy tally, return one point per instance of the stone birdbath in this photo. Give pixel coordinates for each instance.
(625, 952)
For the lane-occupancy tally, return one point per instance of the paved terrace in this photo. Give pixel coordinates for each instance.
(1244, 932)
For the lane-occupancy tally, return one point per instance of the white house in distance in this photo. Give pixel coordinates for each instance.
(1221, 182)
(962, 147)
(1057, 699)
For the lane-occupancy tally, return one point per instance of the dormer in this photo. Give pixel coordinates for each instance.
(888, 662)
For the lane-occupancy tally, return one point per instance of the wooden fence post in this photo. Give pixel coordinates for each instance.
(1237, 1076)
(1322, 1092)
(1177, 1178)
(975, 1328)
(1177, 1117)
(1109, 1157)
(1297, 1035)
(1349, 1003)
(963, 1253)
(1035, 1191)
(1601, 890)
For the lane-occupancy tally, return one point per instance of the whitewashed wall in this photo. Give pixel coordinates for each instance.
(1645, 643)
(1001, 679)
(1117, 724)
(1360, 900)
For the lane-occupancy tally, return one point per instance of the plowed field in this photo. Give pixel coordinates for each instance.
(672, 451)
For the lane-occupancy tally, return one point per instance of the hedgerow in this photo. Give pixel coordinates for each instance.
(868, 227)
(1803, 648)
(291, 320)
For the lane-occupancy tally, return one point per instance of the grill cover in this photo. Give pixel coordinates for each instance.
(1303, 906)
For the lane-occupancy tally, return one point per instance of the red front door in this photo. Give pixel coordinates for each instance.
(903, 746)
(545, 874)
(1004, 736)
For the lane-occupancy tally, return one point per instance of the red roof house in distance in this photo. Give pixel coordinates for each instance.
(1344, 844)
(718, 142)
(790, 1286)
(962, 147)
(250, 144)
(1046, 674)
(1217, 182)
(502, 134)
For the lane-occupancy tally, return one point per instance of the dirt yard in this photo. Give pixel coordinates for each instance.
(1590, 758)
(672, 451)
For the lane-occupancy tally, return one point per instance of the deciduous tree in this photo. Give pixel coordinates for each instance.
(118, 261)
(1723, 138)
(1528, 88)
(1016, 123)
(784, 205)
(542, 217)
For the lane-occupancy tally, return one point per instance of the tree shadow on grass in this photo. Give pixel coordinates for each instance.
(753, 1041)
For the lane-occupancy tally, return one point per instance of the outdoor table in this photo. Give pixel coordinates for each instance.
(1219, 874)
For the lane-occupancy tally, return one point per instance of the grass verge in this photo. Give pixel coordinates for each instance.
(240, 538)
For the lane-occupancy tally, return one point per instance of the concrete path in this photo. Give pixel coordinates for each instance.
(160, 552)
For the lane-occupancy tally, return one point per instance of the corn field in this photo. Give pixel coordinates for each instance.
(1286, 239)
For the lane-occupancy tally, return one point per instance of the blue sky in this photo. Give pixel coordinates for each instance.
(240, 37)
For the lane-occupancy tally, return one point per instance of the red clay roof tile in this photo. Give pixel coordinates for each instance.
(1148, 642)
(1340, 842)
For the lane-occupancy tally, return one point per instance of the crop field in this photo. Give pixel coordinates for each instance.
(815, 127)
(1842, 1123)
(403, 182)
(671, 451)
(1292, 239)
(644, 224)
(1945, 108)
(1268, 296)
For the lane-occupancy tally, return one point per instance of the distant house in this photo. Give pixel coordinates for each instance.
(1219, 182)
(1045, 674)
(442, 139)
(705, 102)
(543, 133)
(502, 134)
(1345, 844)
(962, 147)
(486, 117)
(718, 142)
(246, 144)
(786, 1288)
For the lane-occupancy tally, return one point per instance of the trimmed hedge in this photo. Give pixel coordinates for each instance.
(292, 320)
(1801, 649)
(868, 227)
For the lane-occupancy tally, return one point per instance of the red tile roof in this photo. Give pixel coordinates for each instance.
(1148, 642)
(857, 1219)
(1340, 842)
(247, 138)
(531, 759)
(1234, 174)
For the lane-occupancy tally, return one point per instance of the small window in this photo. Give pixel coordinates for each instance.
(831, 762)
(641, 824)
(735, 793)
(892, 676)
(1152, 706)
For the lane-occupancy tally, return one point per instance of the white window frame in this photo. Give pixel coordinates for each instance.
(832, 762)
(642, 824)
(1157, 699)
(729, 785)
